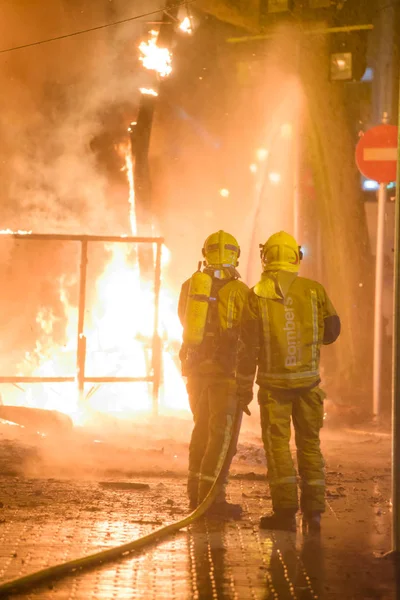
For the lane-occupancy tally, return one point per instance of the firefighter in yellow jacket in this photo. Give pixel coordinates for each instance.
(285, 322)
(210, 308)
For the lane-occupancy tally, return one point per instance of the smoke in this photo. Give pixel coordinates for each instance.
(58, 103)
(222, 104)
(64, 108)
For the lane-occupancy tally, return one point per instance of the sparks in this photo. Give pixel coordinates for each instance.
(155, 58)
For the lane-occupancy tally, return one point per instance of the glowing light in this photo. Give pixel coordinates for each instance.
(148, 92)
(274, 177)
(11, 232)
(253, 168)
(224, 193)
(287, 130)
(370, 185)
(155, 58)
(186, 26)
(262, 154)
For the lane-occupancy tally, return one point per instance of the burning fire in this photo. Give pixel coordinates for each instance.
(148, 92)
(119, 333)
(118, 328)
(186, 26)
(10, 231)
(155, 58)
(128, 168)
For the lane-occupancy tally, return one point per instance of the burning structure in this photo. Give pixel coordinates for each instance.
(131, 323)
(75, 182)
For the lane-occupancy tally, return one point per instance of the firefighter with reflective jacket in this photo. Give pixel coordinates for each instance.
(210, 308)
(286, 320)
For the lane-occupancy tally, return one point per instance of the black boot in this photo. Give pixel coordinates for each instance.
(224, 510)
(284, 520)
(193, 492)
(193, 504)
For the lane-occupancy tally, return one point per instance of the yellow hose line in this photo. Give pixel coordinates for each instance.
(79, 564)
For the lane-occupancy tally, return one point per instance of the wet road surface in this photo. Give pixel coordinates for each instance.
(44, 521)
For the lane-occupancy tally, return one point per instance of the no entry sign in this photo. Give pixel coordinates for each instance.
(376, 153)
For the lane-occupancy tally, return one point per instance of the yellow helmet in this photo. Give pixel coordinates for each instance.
(221, 249)
(281, 253)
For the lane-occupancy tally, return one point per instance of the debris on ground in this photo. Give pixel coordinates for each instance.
(124, 485)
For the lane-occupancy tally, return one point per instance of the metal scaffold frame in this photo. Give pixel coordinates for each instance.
(80, 377)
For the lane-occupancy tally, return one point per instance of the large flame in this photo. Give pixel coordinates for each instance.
(119, 332)
(119, 335)
(155, 58)
(119, 328)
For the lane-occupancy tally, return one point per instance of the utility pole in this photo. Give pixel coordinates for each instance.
(140, 144)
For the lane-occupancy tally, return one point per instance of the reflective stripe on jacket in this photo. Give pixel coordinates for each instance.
(282, 336)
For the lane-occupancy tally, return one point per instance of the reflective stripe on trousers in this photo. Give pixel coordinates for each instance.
(306, 411)
(213, 402)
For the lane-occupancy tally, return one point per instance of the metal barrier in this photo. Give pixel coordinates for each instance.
(80, 376)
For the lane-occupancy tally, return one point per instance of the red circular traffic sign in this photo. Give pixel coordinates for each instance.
(376, 153)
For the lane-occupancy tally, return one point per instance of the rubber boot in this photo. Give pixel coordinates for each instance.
(193, 492)
(284, 520)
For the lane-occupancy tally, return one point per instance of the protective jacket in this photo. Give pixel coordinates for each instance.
(209, 364)
(286, 320)
(217, 353)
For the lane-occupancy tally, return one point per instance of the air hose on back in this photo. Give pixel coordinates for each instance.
(78, 565)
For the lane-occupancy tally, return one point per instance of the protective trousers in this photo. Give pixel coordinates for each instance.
(306, 410)
(213, 403)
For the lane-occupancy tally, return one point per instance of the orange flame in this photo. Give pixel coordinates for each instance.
(155, 58)
(119, 331)
(148, 92)
(18, 231)
(186, 26)
(128, 168)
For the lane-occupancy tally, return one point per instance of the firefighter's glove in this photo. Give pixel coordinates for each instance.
(245, 396)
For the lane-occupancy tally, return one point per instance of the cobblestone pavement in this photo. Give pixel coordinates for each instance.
(44, 521)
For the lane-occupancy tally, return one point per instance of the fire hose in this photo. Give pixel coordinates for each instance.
(78, 565)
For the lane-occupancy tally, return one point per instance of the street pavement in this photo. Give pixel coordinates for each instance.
(45, 520)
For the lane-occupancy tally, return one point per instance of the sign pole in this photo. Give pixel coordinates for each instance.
(378, 301)
(297, 157)
(376, 158)
(396, 368)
